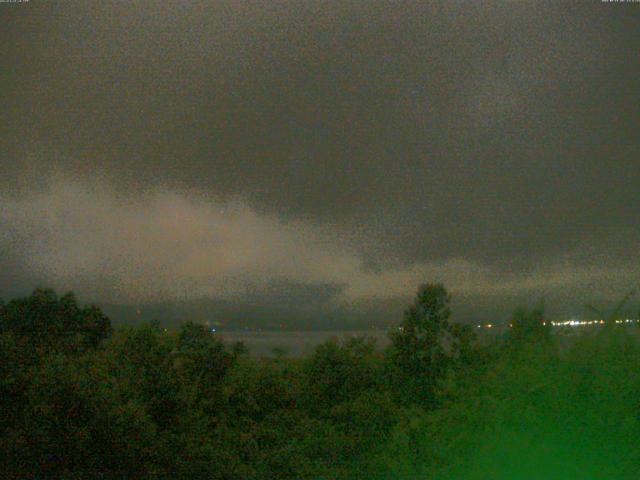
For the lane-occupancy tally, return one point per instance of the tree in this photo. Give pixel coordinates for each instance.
(76, 424)
(47, 323)
(529, 326)
(202, 362)
(202, 355)
(464, 343)
(340, 371)
(418, 345)
(141, 358)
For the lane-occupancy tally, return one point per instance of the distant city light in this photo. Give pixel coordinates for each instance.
(570, 323)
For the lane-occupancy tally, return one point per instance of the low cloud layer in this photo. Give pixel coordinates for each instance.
(180, 246)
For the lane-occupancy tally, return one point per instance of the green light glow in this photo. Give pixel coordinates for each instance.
(544, 412)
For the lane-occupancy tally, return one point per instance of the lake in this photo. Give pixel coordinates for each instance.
(295, 343)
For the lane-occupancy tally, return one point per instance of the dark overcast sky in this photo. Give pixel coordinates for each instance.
(311, 160)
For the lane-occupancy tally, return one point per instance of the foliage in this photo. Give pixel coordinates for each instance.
(529, 326)
(339, 372)
(418, 345)
(542, 412)
(45, 322)
(79, 401)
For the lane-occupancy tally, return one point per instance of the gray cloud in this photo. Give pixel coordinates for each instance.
(157, 151)
(180, 246)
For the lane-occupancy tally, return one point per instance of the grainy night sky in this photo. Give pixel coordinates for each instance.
(312, 162)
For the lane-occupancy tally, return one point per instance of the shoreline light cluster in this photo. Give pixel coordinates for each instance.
(569, 323)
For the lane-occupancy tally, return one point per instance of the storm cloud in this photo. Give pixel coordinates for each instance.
(319, 156)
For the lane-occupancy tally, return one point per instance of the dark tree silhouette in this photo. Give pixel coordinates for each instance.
(418, 345)
(529, 326)
(50, 323)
